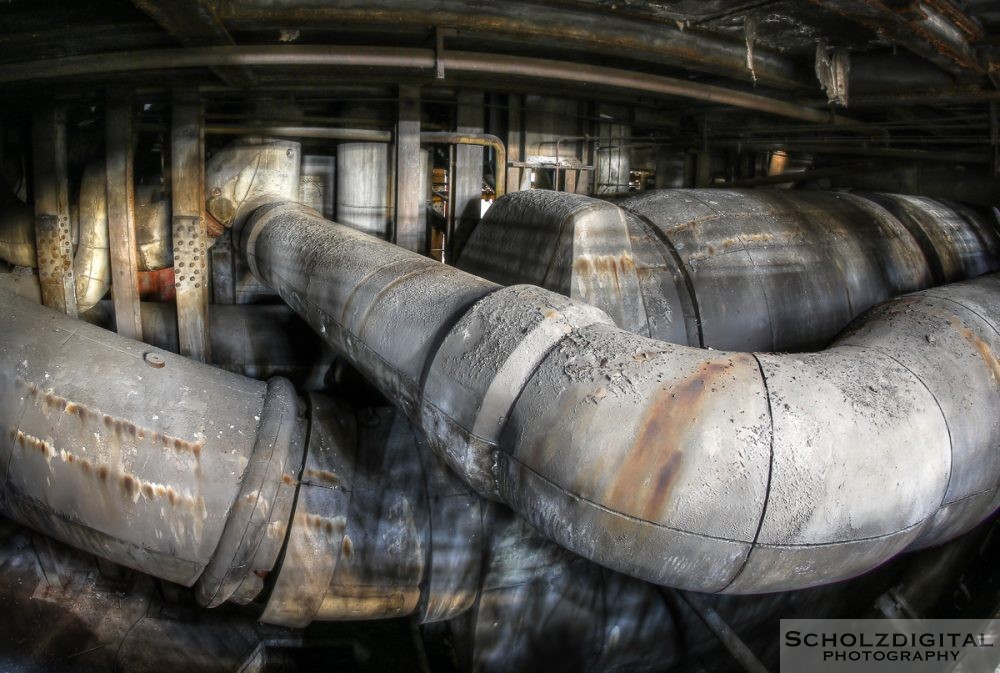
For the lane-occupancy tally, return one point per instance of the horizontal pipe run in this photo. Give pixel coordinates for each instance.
(721, 471)
(322, 132)
(480, 139)
(407, 58)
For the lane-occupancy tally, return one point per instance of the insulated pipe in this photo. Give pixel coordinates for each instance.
(92, 261)
(720, 471)
(143, 457)
(731, 269)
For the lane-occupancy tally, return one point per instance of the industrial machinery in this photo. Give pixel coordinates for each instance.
(434, 336)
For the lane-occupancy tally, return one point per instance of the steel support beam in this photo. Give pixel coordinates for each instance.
(53, 238)
(467, 186)
(549, 25)
(410, 229)
(187, 168)
(121, 215)
(193, 23)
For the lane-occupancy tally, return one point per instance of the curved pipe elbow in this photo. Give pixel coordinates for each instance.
(706, 470)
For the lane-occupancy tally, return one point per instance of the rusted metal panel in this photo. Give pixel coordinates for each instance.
(54, 240)
(121, 214)
(189, 234)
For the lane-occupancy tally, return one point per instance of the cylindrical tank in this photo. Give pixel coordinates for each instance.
(362, 196)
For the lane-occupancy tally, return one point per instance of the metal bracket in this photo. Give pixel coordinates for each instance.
(439, 35)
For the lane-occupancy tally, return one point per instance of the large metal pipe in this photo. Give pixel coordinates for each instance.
(722, 471)
(143, 457)
(731, 269)
(362, 194)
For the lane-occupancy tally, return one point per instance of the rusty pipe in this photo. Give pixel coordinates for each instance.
(480, 139)
(143, 457)
(722, 471)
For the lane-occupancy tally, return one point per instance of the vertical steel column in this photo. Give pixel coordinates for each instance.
(468, 179)
(187, 161)
(53, 237)
(410, 228)
(515, 141)
(121, 214)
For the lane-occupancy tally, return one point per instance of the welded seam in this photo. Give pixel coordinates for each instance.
(363, 281)
(770, 473)
(753, 264)
(707, 536)
(681, 269)
(974, 312)
(951, 440)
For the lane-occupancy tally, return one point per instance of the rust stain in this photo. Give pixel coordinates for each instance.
(347, 547)
(26, 441)
(287, 479)
(119, 427)
(983, 348)
(606, 270)
(325, 476)
(644, 481)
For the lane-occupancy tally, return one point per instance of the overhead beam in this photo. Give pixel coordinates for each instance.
(933, 29)
(53, 238)
(423, 61)
(121, 214)
(548, 25)
(194, 23)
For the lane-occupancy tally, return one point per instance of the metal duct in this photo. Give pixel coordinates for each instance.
(250, 172)
(154, 234)
(143, 457)
(362, 194)
(738, 270)
(723, 471)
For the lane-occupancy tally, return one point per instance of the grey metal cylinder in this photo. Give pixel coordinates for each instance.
(721, 471)
(141, 456)
(730, 269)
(382, 528)
(362, 195)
